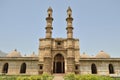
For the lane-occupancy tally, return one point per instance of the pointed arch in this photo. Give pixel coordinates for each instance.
(58, 64)
(23, 68)
(111, 69)
(93, 69)
(5, 68)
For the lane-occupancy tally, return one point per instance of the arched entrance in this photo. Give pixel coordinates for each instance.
(5, 68)
(23, 68)
(111, 69)
(58, 64)
(94, 69)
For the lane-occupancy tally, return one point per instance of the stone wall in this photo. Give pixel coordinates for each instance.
(102, 65)
(14, 65)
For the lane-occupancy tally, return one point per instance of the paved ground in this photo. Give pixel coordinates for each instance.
(58, 76)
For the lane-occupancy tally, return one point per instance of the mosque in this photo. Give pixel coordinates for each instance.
(59, 55)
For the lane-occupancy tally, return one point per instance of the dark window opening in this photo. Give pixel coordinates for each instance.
(111, 69)
(94, 69)
(49, 15)
(5, 68)
(23, 68)
(41, 67)
(76, 67)
(69, 15)
(58, 43)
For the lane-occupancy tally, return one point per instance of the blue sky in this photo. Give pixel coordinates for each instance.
(96, 23)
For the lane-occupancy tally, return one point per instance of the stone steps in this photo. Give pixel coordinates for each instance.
(58, 76)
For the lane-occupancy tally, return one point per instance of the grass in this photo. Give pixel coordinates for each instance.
(26, 77)
(88, 77)
(50, 77)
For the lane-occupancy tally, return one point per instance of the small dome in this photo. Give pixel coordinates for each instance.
(102, 54)
(84, 55)
(14, 54)
(33, 55)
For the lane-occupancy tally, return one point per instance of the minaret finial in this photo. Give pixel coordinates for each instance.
(49, 12)
(69, 12)
(49, 20)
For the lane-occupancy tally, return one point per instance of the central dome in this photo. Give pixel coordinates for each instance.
(14, 54)
(102, 54)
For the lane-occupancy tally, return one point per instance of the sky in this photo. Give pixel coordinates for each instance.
(96, 24)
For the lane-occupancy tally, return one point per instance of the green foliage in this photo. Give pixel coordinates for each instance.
(70, 76)
(35, 78)
(7, 78)
(86, 77)
(23, 78)
(26, 77)
(116, 78)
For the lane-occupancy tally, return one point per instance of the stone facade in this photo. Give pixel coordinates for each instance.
(63, 52)
(101, 66)
(19, 65)
(59, 55)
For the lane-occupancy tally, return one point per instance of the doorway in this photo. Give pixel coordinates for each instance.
(58, 64)
(93, 69)
(23, 68)
(5, 68)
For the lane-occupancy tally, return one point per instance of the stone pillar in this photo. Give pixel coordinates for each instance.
(47, 67)
(70, 65)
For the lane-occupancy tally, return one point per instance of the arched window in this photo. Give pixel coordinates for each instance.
(5, 68)
(93, 69)
(111, 69)
(23, 68)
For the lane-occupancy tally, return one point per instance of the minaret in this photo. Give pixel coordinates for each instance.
(69, 20)
(49, 20)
